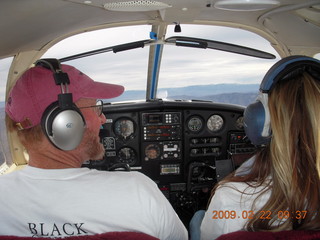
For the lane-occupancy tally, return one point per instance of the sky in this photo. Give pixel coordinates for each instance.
(180, 66)
(4, 68)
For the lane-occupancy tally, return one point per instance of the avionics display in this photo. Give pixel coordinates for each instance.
(161, 126)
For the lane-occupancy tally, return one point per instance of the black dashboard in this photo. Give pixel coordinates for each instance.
(185, 147)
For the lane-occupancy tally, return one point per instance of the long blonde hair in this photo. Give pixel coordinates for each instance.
(292, 159)
(294, 154)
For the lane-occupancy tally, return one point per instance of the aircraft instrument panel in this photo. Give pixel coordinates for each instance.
(184, 147)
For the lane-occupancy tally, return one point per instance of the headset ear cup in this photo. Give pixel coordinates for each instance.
(254, 120)
(64, 128)
(47, 128)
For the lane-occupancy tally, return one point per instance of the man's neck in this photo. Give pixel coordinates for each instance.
(55, 159)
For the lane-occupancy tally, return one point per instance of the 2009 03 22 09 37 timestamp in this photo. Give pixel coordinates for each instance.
(231, 214)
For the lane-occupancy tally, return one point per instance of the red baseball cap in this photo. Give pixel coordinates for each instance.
(35, 90)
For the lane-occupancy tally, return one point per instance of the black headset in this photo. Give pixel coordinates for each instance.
(62, 121)
(256, 115)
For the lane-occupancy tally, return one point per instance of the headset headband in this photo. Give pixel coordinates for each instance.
(61, 78)
(288, 68)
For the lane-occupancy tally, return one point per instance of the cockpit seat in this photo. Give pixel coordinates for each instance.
(103, 236)
(283, 235)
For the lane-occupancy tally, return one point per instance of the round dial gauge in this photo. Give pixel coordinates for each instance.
(127, 155)
(124, 128)
(239, 123)
(215, 123)
(195, 124)
(152, 151)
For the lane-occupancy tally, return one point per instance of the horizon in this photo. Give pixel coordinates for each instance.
(126, 95)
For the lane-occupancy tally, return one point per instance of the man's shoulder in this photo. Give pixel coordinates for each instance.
(118, 174)
(121, 176)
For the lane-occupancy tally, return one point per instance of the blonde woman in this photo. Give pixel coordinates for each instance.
(279, 188)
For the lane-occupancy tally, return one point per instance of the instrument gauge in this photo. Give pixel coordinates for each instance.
(152, 151)
(127, 155)
(124, 127)
(215, 123)
(195, 124)
(239, 123)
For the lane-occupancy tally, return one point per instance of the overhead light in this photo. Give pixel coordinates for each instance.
(136, 6)
(245, 5)
(177, 28)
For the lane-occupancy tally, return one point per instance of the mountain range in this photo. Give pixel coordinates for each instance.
(241, 94)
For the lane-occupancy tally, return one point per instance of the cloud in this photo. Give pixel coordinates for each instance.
(210, 67)
(98, 39)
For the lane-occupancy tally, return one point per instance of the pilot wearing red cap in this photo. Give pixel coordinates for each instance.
(53, 196)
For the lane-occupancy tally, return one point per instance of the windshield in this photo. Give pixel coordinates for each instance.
(185, 73)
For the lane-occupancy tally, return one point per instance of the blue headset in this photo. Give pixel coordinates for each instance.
(256, 115)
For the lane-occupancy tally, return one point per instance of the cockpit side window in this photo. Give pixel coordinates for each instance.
(5, 155)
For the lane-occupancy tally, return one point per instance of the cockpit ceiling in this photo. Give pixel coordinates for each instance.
(292, 25)
(37, 22)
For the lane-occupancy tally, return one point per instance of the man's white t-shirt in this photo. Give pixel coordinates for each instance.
(80, 201)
